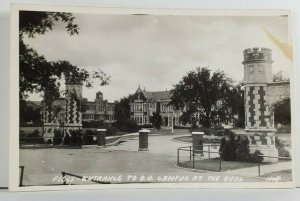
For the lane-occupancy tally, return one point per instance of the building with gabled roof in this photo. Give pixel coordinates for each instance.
(145, 103)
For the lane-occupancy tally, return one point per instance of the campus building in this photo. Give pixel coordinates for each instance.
(99, 110)
(68, 113)
(144, 103)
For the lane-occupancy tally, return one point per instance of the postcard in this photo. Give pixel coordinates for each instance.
(150, 98)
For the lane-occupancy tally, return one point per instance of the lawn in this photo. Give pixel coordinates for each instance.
(184, 139)
(214, 164)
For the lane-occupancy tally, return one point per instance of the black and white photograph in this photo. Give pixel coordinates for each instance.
(126, 98)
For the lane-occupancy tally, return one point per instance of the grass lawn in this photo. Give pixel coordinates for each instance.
(112, 140)
(184, 139)
(285, 175)
(214, 164)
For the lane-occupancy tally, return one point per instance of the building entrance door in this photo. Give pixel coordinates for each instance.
(166, 121)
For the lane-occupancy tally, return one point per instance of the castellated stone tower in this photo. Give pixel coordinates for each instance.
(73, 104)
(258, 119)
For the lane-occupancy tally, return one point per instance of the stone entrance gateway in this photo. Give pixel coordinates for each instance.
(260, 96)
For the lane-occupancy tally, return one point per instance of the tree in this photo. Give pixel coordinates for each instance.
(235, 100)
(213, 95)
(122, 111)
(156, 120)
(36, 73)
(122, 115)
(282, 112)
(278, 77)
(30, 113)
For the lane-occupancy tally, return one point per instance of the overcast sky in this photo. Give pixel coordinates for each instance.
(156, 51)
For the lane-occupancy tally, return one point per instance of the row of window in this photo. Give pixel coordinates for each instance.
(100, 107)
(140, 119)
(144, 107)
(164, 107)
(96, 117)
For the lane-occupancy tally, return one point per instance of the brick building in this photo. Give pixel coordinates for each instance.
(144, 103)
(67, 114)
(99, 110)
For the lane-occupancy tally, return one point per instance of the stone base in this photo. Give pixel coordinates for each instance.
(266, 151)
(143, 149)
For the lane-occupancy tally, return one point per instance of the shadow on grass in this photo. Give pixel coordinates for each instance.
(214, 165)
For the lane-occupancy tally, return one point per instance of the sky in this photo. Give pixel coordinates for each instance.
(156, 51)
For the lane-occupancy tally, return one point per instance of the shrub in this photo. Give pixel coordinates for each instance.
(111, 131)
(35, 137)
(88, 137)
(278, 143)
(92, 124)
(58, 137)
(228, 148)
(255, 157)
(243, 150)
(156, 120)
(282, 152)
(181, 127)
(67, 140)
(76, 138)
(145, 126)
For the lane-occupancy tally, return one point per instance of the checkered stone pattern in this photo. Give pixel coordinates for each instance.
(262, 139)
(50, 124)
(49, 116)
(257, 111)
(73, 114)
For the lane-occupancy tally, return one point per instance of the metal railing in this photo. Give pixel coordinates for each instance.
(199, 150)
(194, 150)
(80, 177)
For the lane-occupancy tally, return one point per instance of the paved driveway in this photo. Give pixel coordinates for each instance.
(42, 165)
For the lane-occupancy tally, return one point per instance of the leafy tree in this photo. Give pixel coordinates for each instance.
(282, 112)
(156, 120)
(122, 115)
(235, 100)
(213, 95)
(278, 77)
(29, 113)
(122, 111)
(36, 73)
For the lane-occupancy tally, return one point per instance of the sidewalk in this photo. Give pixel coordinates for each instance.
(264, 169)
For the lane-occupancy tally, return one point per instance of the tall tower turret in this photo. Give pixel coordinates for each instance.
(73, 104)
(258, 66)
(73, 86)
(99, 95)
(258, 121)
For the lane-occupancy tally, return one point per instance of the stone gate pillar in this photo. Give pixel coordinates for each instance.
(73, 105)
(50, 123)
(258, 122)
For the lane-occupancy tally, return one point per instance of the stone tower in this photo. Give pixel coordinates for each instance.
(73, 104)
(258, 119)
(50, 121)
